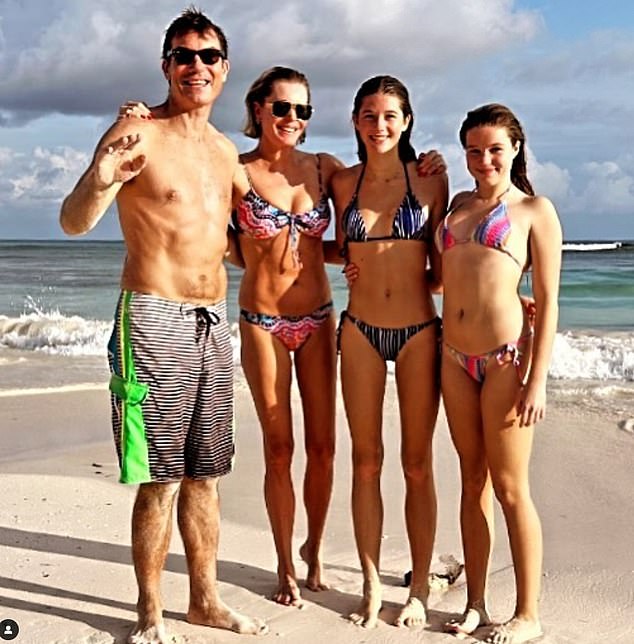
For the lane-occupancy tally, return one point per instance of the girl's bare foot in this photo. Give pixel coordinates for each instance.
(515, 631)
(315, 576)
(412, 614)
(287, 591)
(367, 615)
(474, 616)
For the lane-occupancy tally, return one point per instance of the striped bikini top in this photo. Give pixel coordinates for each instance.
(492, 231)
(410, 219)
(258, 218)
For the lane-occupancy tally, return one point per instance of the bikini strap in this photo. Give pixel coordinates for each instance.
(409, 185)
(427, 235)
(358, 186)
(248, 176)
(319, 177)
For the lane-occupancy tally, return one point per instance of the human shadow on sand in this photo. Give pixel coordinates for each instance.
(253, 579)
(256, 580)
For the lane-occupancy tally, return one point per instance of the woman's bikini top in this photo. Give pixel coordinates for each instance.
(492, 231)
(260, 219)
(410, 219)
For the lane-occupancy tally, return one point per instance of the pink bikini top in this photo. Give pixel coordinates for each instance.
(259, 219)
(492, 231)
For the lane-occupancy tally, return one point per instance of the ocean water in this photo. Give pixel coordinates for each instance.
(57, 300)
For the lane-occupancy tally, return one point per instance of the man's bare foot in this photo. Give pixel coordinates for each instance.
(287, 592)
(149, 634)
(367, 615)
(412, 614)
(515, 631)
(315, 576)
(221, 616)
(474, 616)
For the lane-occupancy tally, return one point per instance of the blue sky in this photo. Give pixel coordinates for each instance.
(565, 67)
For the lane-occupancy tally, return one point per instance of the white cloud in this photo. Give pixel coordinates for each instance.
(114, 53)
(83, 57)
(548, 179)
(607, 188)
(6, 154)
(42, 177)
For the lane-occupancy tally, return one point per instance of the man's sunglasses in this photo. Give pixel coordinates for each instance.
(186, 56)
(282, 108)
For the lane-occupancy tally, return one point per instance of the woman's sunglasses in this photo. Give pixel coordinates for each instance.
(186, 56)
(282, 108)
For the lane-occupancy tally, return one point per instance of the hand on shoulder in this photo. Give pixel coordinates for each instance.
(431, 163)
(134, 109)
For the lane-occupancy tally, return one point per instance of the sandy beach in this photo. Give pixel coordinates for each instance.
(66, 574)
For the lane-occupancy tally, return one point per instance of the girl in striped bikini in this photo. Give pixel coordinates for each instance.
(385, 213)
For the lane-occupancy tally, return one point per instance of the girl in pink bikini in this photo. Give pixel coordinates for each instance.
(495, 362)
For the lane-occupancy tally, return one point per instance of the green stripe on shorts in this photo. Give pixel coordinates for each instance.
(135, 465)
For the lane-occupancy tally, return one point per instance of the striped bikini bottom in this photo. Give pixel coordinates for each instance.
(387, 342)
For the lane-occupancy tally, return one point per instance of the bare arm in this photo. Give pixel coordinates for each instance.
(233, 254)
(340, 195)
(330, 165)
(117, 159)
(437, 211)
(436, 280)
(332, 253)
(545, 245)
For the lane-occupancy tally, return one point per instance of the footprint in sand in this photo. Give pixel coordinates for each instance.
(627, 425)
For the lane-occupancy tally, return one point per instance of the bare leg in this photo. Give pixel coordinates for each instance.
(316, 375)
(267, 367)
(418, 392)
(198, 520)
(461, 396)
(151, 531)
(508, 452)
(363, 385)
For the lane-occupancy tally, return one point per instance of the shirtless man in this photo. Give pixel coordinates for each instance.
(170, 354)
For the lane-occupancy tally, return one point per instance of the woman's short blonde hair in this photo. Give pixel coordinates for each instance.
(261, 89)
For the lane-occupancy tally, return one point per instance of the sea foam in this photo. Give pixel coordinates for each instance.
(591, 246)
(55, 333)
(590, 356)
(576, 355)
